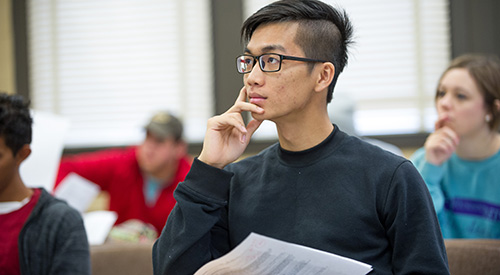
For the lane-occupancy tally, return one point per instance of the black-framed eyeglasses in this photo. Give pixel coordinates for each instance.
(268, 62)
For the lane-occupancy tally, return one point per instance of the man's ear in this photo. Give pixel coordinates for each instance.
(325, 76)
(23, 153)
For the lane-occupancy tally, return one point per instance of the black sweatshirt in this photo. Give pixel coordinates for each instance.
(343, 196)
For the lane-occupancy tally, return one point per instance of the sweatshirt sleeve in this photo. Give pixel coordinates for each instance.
(196, 230)
(432, 176)
(412, 225)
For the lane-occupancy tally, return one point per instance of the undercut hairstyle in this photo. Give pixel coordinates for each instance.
(15, 121)
(323, 33)
(485, 71)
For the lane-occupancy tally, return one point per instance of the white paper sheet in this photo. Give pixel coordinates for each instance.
(259, 254)
(40, 168)
(98, 224)
(77, 191)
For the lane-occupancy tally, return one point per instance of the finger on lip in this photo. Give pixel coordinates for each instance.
(442, 119)
(242, 95)
(258, 109)
(250, 107)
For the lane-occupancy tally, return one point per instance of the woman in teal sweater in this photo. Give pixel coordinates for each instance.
(460, 161)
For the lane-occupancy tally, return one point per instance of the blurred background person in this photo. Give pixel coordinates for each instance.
(39, 234)
(140, 180)
(460, 160)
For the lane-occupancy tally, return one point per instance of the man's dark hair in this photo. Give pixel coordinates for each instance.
(324, 32)
(15, 121)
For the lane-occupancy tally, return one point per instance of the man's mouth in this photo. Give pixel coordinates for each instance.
(256, 99)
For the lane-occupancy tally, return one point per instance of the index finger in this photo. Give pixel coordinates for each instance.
(242, 97)
(440, 122)
(241, 104)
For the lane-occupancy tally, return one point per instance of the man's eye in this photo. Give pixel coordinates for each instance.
(272, 60)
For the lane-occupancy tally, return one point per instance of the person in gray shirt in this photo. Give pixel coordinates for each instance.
(39, 234)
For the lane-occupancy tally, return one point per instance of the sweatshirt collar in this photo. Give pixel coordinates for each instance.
(313, 154)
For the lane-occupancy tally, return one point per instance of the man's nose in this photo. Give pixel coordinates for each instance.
(255, 76)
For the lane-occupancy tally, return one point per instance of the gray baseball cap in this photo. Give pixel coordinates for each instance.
(163, 125)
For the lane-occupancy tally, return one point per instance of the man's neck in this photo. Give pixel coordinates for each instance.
(165, 175)
(15, 191)
(304, 134)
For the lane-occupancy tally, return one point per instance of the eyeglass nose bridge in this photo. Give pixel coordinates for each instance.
(257, 60)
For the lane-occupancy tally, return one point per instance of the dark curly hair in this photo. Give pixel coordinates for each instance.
(15, 121)
(324, 32)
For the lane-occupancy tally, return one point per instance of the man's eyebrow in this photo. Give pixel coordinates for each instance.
(269, 48)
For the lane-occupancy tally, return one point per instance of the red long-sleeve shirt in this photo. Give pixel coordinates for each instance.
(117, 172)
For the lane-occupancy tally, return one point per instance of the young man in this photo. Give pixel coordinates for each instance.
(318, 186)
(39, 234)
(140, 180)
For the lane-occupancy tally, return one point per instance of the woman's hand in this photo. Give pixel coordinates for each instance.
(441, 144)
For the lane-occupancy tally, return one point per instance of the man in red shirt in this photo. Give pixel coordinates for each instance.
(140, 180)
